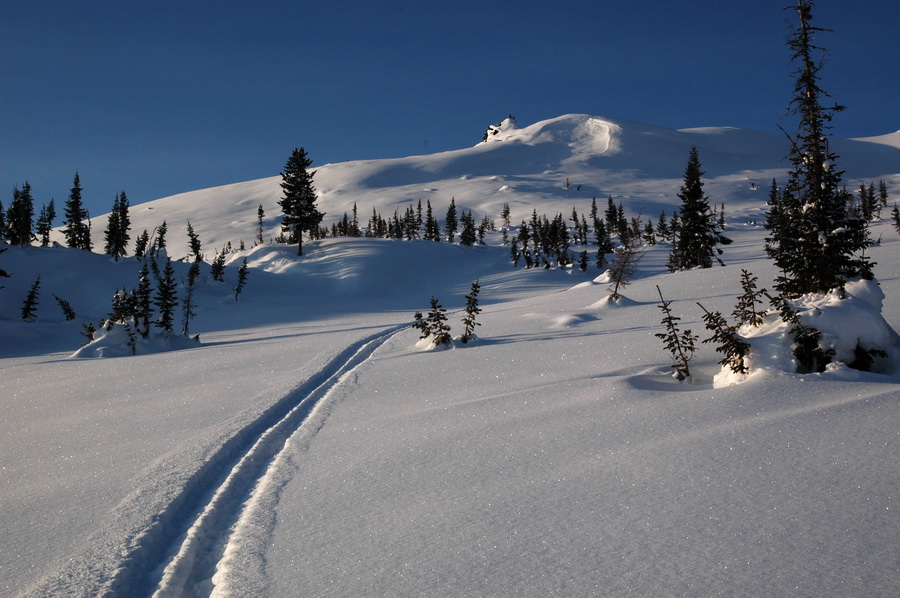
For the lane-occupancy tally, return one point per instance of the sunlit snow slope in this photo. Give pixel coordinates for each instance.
(309, 446)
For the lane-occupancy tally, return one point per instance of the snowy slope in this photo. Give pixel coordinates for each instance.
(638, 164)
(327, 455)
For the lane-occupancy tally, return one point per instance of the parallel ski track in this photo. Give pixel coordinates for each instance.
(178, 555)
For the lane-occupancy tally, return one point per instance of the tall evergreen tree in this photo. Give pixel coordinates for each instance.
(468, 235)
(45, 223)
(188, 304)
(298, 202)
(20, 217)
(193, 242)
(696, 243)
(166, 299)
(813, 240)
(451, 225)
(76, 231)
(432, 228)
(117, 228)
(143, 310)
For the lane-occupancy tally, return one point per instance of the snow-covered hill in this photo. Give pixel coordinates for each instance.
(640, 165)
(308, 446)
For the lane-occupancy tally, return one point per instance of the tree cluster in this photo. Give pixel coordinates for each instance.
(434, 324)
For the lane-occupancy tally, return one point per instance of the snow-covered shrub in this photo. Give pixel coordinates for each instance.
(822, 332)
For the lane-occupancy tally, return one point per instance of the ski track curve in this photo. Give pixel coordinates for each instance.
(179, 556)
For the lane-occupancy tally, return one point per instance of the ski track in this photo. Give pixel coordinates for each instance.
(179, 555)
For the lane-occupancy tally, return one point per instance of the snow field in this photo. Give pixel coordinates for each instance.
(556, 455)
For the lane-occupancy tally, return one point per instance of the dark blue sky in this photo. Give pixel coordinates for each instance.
(155, 98)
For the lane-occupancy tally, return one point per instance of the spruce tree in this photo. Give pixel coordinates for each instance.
(813, 240)
(188, 304)
(298, 202)
(437, 324)
(882, 194)
(451, 225)
(468, 235)
(432, 228)
(697, 239)
(77, 232)
(623, 267)
(730, 343)
(217, 268)
(242, 279)
(159, 241)
(746, 310)
(681, 344)
(119, 223)
(66, 308)
(29, 306)
(166, 299)
(504, 215)
(260, 216)
(140, 245)
(45, 223)
(471, 311)
(20, 217)
(143, 310)
(193, 242)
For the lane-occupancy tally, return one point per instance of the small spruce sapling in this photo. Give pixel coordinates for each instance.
(680, 345)
(193, 241)
(66, 308)
(29, 306)
(421, 324)
(260, 216)
(437, 324)
(624, 264)
(731, 345)
(746, 311)
(471, 311)
(88, 332)
(242, 279)
(217, 268)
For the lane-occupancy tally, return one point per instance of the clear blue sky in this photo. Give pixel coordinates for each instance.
(155, 98)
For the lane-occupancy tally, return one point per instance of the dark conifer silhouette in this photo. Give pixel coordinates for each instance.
(812, 239)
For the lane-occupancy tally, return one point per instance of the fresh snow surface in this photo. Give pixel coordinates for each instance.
(309, 445)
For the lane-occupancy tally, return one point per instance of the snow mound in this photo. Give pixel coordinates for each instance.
(120, 340)
(853, 335)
